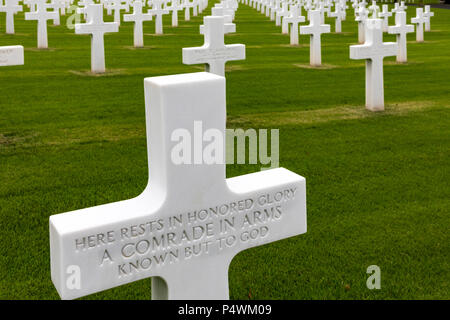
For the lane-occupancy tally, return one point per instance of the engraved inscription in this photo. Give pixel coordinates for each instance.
(226, 53)
(6, 55)
(186, 235)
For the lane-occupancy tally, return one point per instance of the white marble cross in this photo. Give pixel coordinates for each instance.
(117, 6)
(338, 13)
(138, 17)
(419, 20)
(31, 4)
(96, 27)
(11, 56)
(321, 9)
(158, 11)
(363, 14)
(373, 51)
(42, 16)
(294, 19)
(175, 6)
(428, 14)
(214, 53)
(227, 10)
(187, 9)
(273, 8)
(401, 29)
(11, 7)
(55, 5)
(185, 228)
(83, 4)
(195, 8)
(230, 27)
(315, 29)
(64, 5)
(280, 13)
(374, 8)
(396, 8)
(385, 14)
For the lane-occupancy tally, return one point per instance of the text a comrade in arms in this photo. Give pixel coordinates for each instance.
(181, 221)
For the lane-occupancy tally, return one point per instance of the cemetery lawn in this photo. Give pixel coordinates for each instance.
(377, 183)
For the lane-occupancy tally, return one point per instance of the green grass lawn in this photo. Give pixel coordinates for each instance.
(377, 183)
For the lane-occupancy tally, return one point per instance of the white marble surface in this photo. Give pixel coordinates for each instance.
(188, 224)
(373, 51)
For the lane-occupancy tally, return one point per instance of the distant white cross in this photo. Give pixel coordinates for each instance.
(42, 16)
(187, 7)
(282, 14)
(195, 8)
(227, 9)
(374, 8)
(401, 29)
(64, 5)
(428, 14)
(11, 7)
(214, 53)
(85, 3)
(55, 5)
(339, 15)
(373, 51)
(385, 14)
(321, 9)
(175, 6)
(96, 27)
(138, 17)
(158, 11)
(363, 14)
(117, 6)
(315, 29)
(294, 19)
(230, 27)
(419, 20)
(273, 7)
(396, 8)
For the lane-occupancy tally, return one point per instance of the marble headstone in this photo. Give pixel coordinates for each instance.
(188, 224)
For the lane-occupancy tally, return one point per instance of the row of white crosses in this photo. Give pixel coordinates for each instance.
(290, 14)
(159, 7)
(374, 50)
(12, 7)
(370, 33)
(11, 55)
(42, 11)
(361, 13)
(214, 53)
(96, 27)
